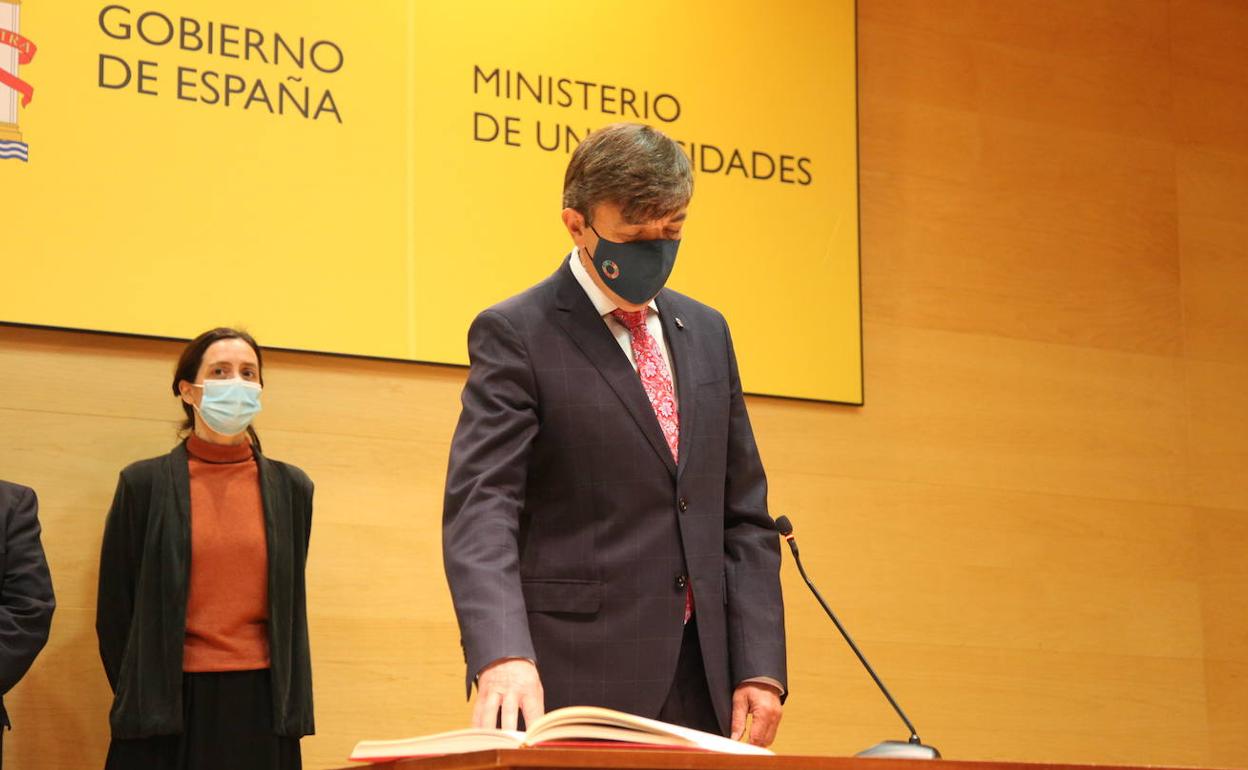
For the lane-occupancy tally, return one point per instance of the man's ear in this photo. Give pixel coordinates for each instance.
(575, 222)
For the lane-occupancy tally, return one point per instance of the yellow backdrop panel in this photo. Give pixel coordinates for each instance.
(364, 181)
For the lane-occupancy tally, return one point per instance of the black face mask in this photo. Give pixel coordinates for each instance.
(635, 270)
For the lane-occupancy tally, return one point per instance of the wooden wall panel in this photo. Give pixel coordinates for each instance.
(1223, 541)
(1210, 113)
(1211, 120)
(1036, 524)
(1060, 64)
(1043, 164)
(1215, 272)
(926, 526)
(1219, 434)
(1213, 237)
(965, 127)
(994, 412)
(1001, 704)
(1207, 38)
(1072, 29)
(1227, 686)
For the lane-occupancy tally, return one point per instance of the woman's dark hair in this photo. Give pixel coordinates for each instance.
(193, 356)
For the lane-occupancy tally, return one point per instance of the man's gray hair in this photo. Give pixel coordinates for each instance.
(637, 167)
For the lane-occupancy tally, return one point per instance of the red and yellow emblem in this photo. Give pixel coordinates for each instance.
(15, 51)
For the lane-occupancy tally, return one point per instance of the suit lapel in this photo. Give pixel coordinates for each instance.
(683, 378)
(587, 329)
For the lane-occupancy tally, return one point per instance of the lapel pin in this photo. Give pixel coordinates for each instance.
(679, 323)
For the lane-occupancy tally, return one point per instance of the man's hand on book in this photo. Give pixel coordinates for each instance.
(506, 688)
(762, 702)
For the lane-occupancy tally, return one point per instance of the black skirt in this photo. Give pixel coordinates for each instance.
(228, 725)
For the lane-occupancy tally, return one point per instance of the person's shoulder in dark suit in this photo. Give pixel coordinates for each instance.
(26, 598)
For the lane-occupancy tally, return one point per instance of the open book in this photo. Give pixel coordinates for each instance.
(574, 724)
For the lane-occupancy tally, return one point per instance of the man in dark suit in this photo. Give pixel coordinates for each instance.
(26, 601)
(605, 531)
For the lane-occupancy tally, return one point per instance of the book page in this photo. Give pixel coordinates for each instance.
(579, 722)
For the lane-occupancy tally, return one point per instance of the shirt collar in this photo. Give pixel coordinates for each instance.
(602, 303)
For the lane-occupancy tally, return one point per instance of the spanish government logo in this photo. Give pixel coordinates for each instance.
(15, 51)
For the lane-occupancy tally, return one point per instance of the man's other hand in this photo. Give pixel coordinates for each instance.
(762, 702)
(508, 687)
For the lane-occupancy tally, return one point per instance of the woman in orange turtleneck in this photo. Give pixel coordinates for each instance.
(202, 616)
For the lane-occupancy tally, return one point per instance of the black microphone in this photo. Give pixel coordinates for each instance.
(911, 749)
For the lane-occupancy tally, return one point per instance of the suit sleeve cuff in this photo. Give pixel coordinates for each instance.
(764, 680)
(500, 660)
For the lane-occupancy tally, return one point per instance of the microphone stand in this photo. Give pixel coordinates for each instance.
(914, 748)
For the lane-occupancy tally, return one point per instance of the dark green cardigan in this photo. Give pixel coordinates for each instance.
(141, 606)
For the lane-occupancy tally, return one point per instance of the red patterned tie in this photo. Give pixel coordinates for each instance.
(657, 382)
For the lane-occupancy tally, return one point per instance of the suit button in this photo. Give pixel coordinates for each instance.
(682, 504)
(681, 582)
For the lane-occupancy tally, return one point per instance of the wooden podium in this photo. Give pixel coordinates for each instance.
(647, 759)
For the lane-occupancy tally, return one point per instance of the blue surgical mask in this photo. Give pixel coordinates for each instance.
(229, 406)
(635, 270)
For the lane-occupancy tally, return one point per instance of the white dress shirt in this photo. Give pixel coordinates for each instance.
(604, 306)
